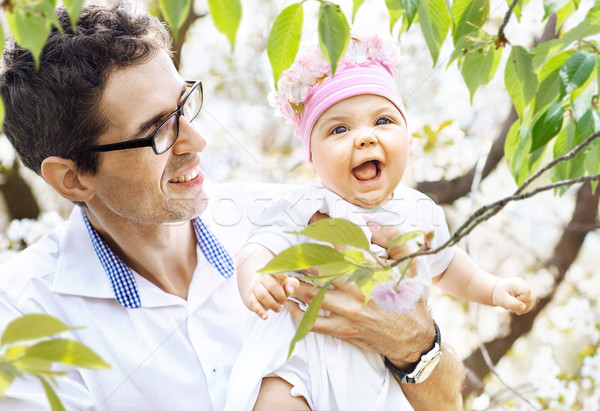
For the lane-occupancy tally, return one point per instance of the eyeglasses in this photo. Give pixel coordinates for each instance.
(165, 135)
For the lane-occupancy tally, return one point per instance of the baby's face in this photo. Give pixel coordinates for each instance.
(359, 149)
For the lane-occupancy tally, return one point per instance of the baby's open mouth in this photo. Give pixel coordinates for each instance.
(369, 170)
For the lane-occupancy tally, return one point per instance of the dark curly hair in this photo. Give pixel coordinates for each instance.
(54, 110)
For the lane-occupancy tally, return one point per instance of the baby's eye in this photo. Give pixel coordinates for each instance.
(382, 120)
(339, 130)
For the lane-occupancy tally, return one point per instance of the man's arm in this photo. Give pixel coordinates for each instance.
(402, 338)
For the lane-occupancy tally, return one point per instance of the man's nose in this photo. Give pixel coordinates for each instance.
(189, 140)
(366, 140)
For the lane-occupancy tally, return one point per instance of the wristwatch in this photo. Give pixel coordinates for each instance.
(424, 367)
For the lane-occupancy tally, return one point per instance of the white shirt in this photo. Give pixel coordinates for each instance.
(170, 354)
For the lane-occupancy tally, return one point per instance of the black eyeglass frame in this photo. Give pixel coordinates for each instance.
(149, 141)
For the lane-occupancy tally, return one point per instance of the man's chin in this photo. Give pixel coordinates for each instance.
(183, 210)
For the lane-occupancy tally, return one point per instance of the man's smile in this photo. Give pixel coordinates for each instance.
(190, 175)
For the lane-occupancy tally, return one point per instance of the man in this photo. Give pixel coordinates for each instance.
(106, 121)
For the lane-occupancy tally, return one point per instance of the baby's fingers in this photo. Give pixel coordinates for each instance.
(265, 297)
(511, 303)
(527, 297)
(257, 307)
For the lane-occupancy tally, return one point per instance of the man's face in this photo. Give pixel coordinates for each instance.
(136, 184)
(359, 149)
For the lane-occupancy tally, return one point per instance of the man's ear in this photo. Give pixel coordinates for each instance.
(63, 176)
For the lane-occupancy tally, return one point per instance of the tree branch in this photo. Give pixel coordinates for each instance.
(490, 210)
(557, 160)
(565, 252)
(502, 40)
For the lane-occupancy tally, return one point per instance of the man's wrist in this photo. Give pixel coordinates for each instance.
(414, 345)
(419, 370)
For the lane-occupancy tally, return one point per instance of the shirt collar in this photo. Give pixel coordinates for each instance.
(122, 280)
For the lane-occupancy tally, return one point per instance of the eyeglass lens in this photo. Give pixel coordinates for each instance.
(167, 133)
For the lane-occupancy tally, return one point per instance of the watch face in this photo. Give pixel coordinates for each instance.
(429, 367)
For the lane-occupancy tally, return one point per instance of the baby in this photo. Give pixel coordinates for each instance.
(353, 127)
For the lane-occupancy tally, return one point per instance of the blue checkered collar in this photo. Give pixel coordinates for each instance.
(121, 277)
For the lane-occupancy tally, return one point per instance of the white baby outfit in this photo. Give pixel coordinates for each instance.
(330, 373)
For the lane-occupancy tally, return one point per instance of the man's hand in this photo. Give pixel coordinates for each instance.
(402, 338)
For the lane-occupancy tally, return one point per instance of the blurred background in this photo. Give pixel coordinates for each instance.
(546, 359)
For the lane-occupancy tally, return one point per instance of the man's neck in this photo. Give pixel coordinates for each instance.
(164, 254)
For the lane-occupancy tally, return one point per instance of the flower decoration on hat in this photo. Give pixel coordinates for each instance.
(298, 83)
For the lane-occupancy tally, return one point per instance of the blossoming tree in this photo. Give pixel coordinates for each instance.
(549, 141)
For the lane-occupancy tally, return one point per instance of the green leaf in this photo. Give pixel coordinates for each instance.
(53, 400)
(8, 373)
(363, 275)
(175, 12)
(15, 351)
(376, 276)
(29, 30)
(336, 269)
(564, 13)
(520, 78)
(334, 33)
(469, 16)
(366, 278)
(33, 366)
(32, 327)
(587, 27)
(517, 148)
(354, 256)
(300, 257)
(597, 71)
(582, 98)
(588, 125)
(549, 88)
(337, 231)
(510, 146)
(284, 39)
(308, 319)
(66, 351)
(410, 7)
(592, 157)
(355, 6)
(564, 143)
(479, 67)
(394, 8)
(404, 238)
(226, 15)
(547, 126)
(435, 21)
(74, 8)
(576, 71)
(553, 6)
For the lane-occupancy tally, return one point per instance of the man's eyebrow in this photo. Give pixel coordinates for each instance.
(147, 125)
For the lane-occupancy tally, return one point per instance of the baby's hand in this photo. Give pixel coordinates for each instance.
(269, 292)
(514, 294)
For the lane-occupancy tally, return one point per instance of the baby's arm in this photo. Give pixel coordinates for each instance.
(465, 280)
(261, 292)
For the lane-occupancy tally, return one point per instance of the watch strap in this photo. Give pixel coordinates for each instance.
(404, 375)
